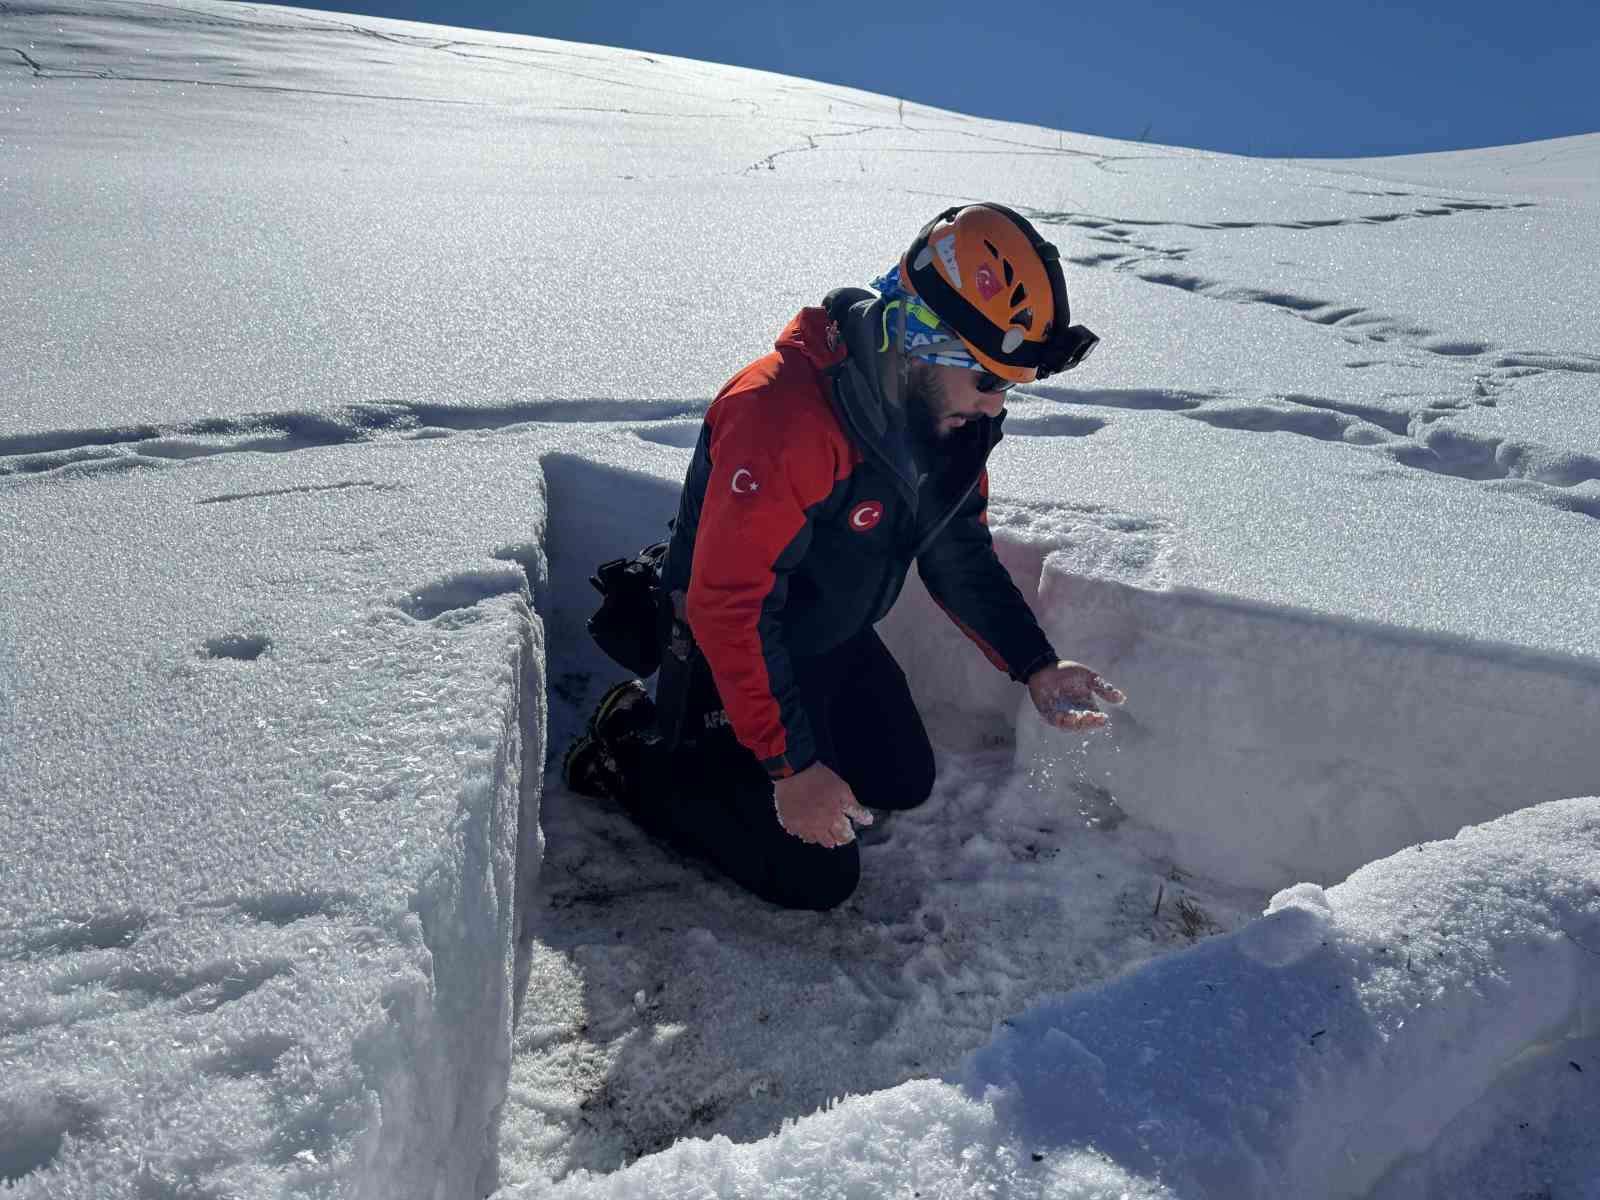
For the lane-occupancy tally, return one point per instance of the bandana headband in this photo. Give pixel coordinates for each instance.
(922, 333)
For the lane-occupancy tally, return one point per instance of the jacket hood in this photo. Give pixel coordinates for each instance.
(814, 334)
(871, 377)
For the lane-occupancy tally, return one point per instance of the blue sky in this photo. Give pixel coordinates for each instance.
(1349, 77)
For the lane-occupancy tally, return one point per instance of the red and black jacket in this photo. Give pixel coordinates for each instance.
(801, 513)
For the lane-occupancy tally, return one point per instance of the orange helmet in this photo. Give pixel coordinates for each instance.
(992, 279)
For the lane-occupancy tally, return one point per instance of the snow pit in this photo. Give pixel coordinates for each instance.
(1195, 641)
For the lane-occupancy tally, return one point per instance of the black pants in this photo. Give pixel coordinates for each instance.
(712, 799)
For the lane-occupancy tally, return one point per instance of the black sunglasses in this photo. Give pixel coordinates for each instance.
(989, 383)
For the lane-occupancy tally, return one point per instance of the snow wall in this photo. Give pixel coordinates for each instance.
(1415, 1027)
(1272, 745)
(271, 753)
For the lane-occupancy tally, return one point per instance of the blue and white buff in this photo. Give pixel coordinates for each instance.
(922, 324)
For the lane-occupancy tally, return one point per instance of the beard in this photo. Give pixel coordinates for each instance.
(925, 400)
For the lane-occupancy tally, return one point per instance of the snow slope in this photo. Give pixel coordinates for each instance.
(1564, 167)
(343, 348)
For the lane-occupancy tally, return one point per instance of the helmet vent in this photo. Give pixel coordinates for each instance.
(1023, 318)
(1010, 274)
(992, 250)
(1018, 296)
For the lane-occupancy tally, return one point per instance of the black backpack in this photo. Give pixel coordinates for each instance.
(628, 623)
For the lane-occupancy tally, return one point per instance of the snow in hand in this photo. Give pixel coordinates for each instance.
(341, 351)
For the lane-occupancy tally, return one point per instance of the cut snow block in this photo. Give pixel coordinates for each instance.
(271, 745)
(1275, 745)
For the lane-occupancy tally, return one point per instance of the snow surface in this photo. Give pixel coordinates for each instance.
(1326, 1049)
(1564, 167)
(342, 349)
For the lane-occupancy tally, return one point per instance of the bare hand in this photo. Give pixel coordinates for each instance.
(817, 806)
(1065, 694)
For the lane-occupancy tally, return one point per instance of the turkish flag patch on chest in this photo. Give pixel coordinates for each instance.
(865, 515)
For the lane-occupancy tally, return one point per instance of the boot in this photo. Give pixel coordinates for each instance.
(626, 710)
(625, 714)
(590, 769)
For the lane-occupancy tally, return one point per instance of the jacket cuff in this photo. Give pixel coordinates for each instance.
(784, 766)
(1048, 658)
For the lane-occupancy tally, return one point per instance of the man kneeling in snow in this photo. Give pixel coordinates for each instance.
(823, 470)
